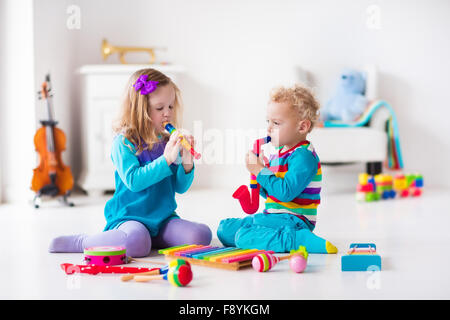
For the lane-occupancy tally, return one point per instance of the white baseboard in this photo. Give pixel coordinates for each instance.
(16, 194)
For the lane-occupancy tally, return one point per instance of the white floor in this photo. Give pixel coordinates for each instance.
(412, 236)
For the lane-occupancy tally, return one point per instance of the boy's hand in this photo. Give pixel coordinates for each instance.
(253, 163)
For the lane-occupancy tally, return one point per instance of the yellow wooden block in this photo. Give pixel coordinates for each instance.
(363, 178)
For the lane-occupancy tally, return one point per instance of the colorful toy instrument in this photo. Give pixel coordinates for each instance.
(250, 204)
(179, 275)
(263, 262)
(229, 258)
(105, 256)
(361, 257)
(69, 268)
(170, 128)
(298, 259)
(384, 186)
(162, 270)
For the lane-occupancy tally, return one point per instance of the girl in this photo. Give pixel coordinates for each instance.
(149, 170)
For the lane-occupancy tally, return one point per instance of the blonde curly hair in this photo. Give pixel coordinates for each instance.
(300, 98)
(134, 121)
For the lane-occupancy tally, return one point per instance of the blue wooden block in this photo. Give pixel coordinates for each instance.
(361, 261)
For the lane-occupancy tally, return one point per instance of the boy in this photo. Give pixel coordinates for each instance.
(291, 183)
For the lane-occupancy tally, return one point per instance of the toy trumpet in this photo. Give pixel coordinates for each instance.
(250, 204)
(170, 128)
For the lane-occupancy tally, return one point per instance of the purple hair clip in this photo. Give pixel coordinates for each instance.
(145, 86)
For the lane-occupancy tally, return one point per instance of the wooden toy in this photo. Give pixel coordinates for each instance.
(250, 204)
(298, 260)
(265, 261)
(360, 257)
(384, 186)
(69, 268)
(179, 276)
(170, 128)
(297, 263)
(163, 270)
(105, 256)
(229, 258)
(131, 259)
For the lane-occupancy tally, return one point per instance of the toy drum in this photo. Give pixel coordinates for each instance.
(105, 256)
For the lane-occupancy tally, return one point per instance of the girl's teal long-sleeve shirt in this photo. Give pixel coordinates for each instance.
(145, 186)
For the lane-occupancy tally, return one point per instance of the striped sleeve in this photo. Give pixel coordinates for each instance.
(287, 186)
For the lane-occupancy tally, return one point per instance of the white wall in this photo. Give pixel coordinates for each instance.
(56, 49)
(235, 51)
(17, 96)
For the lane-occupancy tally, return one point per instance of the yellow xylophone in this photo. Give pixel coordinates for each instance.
(230, 258)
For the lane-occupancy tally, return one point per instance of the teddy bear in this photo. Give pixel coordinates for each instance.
(349, 101)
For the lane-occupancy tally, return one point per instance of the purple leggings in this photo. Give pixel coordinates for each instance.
(135, 237)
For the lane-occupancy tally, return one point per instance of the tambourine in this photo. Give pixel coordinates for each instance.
(105, 256)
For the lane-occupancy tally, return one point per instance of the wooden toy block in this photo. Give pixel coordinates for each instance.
(361, 257)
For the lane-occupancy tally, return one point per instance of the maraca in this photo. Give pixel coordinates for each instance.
(170, 128)
(265, 261)
(298, 259)
(178, 276)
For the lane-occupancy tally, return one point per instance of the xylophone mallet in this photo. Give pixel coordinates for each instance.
(159, 271)
(179, 276)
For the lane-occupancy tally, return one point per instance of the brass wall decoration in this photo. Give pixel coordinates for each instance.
(108, 49)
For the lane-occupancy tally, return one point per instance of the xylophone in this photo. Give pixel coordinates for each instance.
(361, 257)
(230, 258)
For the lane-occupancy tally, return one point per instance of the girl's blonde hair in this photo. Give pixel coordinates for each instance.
(134, 119)
(300, 98)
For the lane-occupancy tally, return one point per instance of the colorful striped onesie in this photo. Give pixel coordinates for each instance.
(300, 195)
(291, 185)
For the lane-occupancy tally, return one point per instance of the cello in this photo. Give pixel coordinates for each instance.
(51, 177)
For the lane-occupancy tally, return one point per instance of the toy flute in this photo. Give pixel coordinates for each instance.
(170, 128)
(250, 204)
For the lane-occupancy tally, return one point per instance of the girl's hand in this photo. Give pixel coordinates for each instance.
(186, 157)
(172, 148)
(253, 163)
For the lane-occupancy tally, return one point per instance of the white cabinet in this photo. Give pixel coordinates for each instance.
(102, 90)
